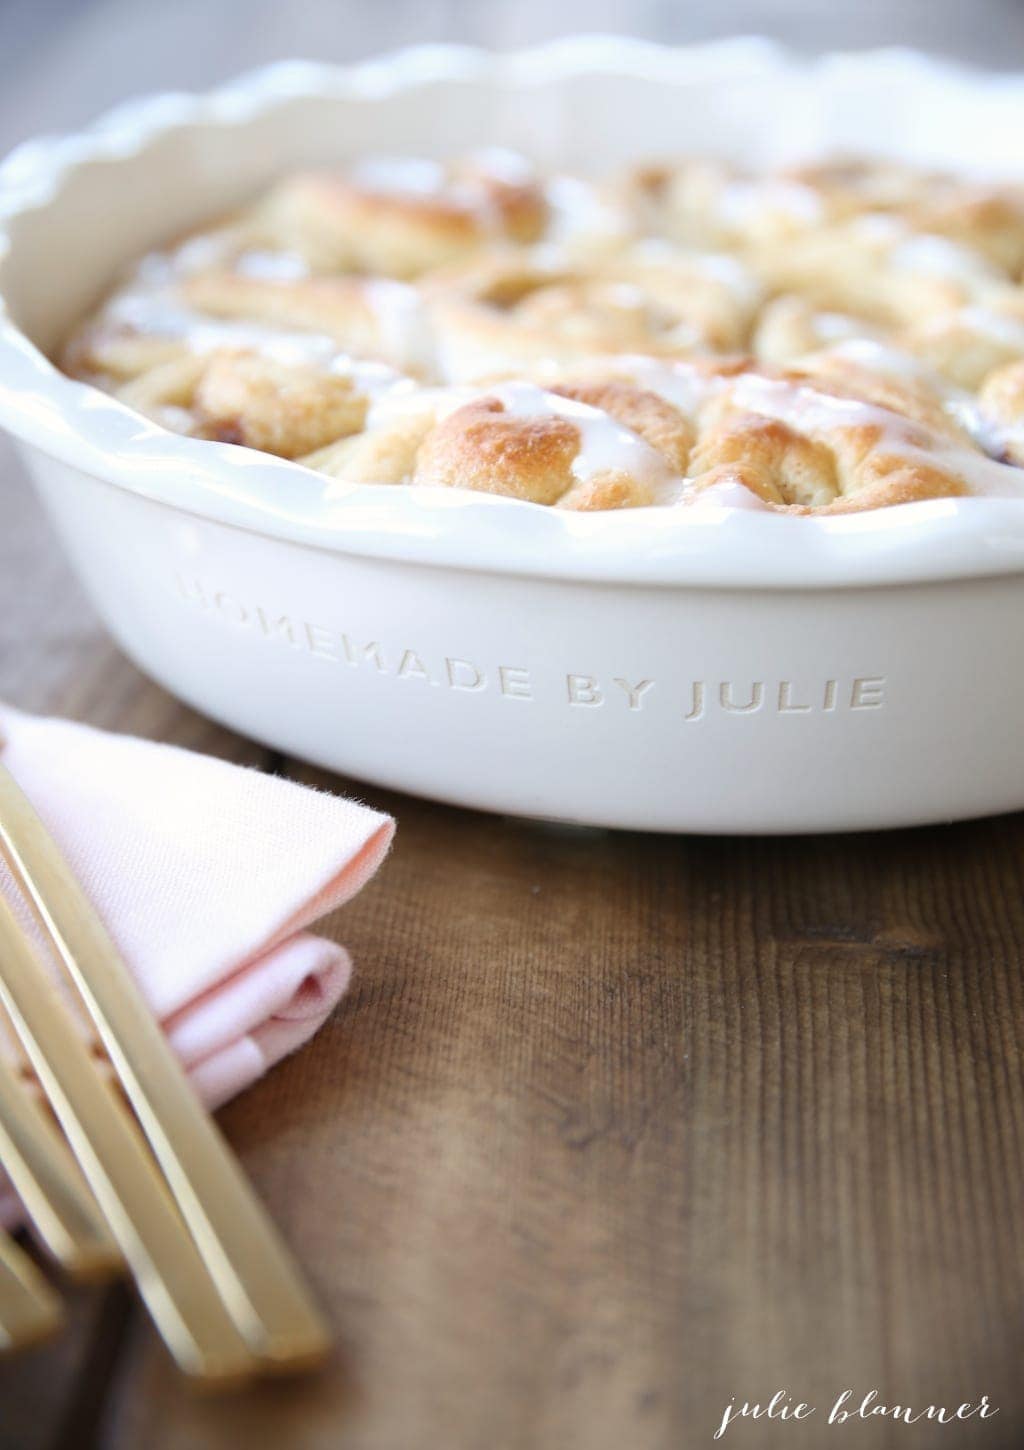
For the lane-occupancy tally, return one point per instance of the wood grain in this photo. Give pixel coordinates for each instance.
(614, 1128)
(610, 1129)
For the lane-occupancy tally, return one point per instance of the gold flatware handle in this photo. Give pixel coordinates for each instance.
(50, 1184)
(177, 1289)
(29, 1308)
(260, 1284)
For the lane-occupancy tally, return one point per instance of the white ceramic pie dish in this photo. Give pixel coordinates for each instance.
(705, 670)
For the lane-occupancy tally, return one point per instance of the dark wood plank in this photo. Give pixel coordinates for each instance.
(52, 1396)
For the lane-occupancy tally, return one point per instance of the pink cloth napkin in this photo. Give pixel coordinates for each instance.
(206, 875)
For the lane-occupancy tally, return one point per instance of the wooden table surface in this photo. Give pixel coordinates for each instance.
(610, 1128)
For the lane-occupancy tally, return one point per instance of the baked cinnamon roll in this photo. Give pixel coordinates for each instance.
(965, 344)
(400, 216)
(512, 310)
(285, 406)
(789, 327)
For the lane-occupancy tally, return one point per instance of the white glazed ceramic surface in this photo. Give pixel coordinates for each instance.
(703, 669)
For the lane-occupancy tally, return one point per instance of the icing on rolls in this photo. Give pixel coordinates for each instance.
(169, 311)
(822, 339)
(635, 432)
(600, 446)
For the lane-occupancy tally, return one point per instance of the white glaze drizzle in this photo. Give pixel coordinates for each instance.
(718, 267)
(818, 414)
(606, 446)
(404, 326)
(415, 178)
(997, 438)
(509, 167)
(883, 357)
(743, 202)
(151, 305)
(931, 256)
(728, 494)
(1009, 331)
(961, 406)
(400, 176)
(268, 266)
(204, 334)
(579, 216)
(680, 383)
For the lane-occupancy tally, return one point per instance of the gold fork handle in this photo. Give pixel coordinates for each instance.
(50, 1185)
(172, 1279)
(29, 1308)
(261, 1286)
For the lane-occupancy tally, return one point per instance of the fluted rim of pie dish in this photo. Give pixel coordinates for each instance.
(705, 546)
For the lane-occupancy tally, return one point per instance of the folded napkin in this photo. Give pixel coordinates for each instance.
(206, 875)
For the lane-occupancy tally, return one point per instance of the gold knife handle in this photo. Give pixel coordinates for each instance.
(50, 1185)
(172, 1279)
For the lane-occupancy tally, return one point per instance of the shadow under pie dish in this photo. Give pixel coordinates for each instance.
(682, 496)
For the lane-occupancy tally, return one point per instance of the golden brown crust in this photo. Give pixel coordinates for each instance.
(381, 455)
(340, 222)
(643, 412)
(533, 445)
(239, 397)
(280, 409)
(480, 446)
(770, 458)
